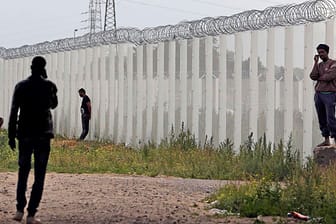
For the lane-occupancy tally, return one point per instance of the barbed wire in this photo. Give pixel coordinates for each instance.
(283, 15)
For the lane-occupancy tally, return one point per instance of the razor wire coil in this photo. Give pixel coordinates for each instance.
(284, 15)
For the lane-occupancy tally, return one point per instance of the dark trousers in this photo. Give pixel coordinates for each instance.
(40, 147)
(325, 108)
(85, 126)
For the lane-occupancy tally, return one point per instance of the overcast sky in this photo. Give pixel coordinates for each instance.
(30, 22)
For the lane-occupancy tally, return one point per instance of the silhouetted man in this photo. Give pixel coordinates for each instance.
(325, 92)
(33, 98)
(86, 113)
(1, 121)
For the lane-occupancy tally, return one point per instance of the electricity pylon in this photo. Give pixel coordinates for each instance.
(110, 15)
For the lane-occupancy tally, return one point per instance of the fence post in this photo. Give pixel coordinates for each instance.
(112, 92)
(270, 87)
(60, 85)
(254, 84)
(52, 74)
(73, 93)
(288, 94)
(238, 90)
(209, 105)
(66, 92)
(149, 89)
(222, 88)
(330, 37)
(184, 86)
(129, 127)
(162, 89)
(121, 93)
(196, 88)
(103, 99)
(308, 92)
(140, 95)
(172, 85)
(80, 80)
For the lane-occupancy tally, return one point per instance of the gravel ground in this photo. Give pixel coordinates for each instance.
(110, 198)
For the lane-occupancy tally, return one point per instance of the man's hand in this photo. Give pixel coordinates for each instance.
(12, 143)
(316, 58)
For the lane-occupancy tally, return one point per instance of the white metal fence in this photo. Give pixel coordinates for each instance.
(219, 87)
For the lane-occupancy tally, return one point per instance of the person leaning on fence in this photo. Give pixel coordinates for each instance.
(85, 112)
(325, 92)
(32, 100)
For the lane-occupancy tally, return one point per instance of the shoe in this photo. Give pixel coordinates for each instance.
(18, 216)
(33, 220)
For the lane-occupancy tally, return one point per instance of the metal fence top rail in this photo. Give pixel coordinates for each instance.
(282, 15)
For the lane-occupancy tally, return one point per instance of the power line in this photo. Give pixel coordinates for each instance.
(217, 5)
(163, 7)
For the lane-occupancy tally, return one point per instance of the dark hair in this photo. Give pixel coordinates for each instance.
(324, 47)
(37, 67)
(38, 62)
(81, 90)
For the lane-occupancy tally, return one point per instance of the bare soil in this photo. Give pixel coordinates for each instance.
(110, 198)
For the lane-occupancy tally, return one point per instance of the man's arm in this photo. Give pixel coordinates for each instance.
(12, 124)
(330, 74)
(54, 99)
(314, 75)
(88, 104)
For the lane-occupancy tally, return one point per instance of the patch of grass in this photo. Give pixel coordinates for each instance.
(311, 193)
(178, 155)
(276, 181)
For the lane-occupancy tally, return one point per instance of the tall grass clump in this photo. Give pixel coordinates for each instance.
(311, 192)
(180, 154)
(7, 156)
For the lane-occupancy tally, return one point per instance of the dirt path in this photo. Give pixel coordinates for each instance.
(109, 198)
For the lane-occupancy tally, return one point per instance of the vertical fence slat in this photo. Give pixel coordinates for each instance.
(172, 85)
(80, 79)
(94, 89)
(270, 87)
(238, 90)
(66, 94)
(196, 88)
(121, 92)
(330, 37)
(208, 86)
(308, 92)
(129, 131)
(149, 92)
(140, 94)
(161, 93)
(253, 90)
(288, 116)
(103, 101)
(59, 109)
(112, 92)
(52, 76)
(183, 86)
(222, 88)
(73, 93)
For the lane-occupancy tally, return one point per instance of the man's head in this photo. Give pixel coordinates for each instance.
(81, 92)
(323, 51)
(38, 66)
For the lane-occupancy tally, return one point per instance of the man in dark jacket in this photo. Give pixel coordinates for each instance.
(32, 99)
(86, 113)
(325, 92)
